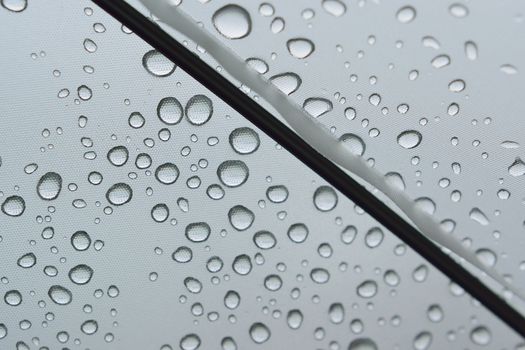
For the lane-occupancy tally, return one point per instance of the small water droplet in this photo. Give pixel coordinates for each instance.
(300, 47)
(232, 21)
(157, 64)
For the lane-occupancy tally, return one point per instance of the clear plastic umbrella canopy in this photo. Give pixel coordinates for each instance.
(339, 175)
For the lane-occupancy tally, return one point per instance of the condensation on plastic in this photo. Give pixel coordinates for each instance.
(103, 250)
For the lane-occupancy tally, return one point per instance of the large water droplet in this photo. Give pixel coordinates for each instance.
(232, 21)
(80, 240)
(242, 264)
(288, 83)
(157, 64)
(362, 344)
(259, 333)
(118, 155)
(233, 173)
(169, 110)
(334, 7)
(198, 232)
(325, 198)
(80, 274)
(316, 107)
(49, 186)
(244, 140)
(354, 143)
(409, 139)
(160, 212)
(89, 327)
(27, 260)
(14, 5)
(264, 240)
(13, 298)
(374, 237)
(294, 319)
(298, 233)
(477, 215)
(241, 218)
(336, 313)
(199, 109)
(190, 342)
(367, 289)
(14, 206)
(300, 47)
(406, 14)
(119, 194)
(60, 295)
(167, 173)
(517, 168)
(480, 335)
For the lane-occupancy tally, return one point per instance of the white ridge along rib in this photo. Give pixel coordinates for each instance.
(315, 133)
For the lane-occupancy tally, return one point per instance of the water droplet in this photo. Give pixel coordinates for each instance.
(517, 168)
(80, 274)
(277, 25)
(259, 333)
(264, 240)
(457, 85)
(334, 7)
(136, 120)
(486, 256)
(481, 335)
(118, 155)
(119, 194)
(242, 264)
(277, 194)
(193, 285)
(362, 344)
(440, 61)
(422, 341)
(49, 186)
(241, 218)
(233, 173)
(13, 298)
(160, 212)
(406, 14)
(3, 331)
(477, 215)
(244, 140)
(409, 139)
(89, 327)
(198, 232)
(354, 143)
(298, 233)
(435, 313)
(458, 10)
(367, 289)
(288, 83)
(182, 254)
(348, 234)
(320, 275)
(471, 50)
(80, 240)
(167, 173)
(325, 198)
(14, 5)
(232, 300)
(199, 109)
(27, 260)
(316, 107)
(60, 295)
(232, 21)
(190, 342)
(374, 237)
(169, 110)
(336, 312)
(508, 69)
(395, 180)
(300, 47)
(90, 46)
(14, 206)
(157, 64)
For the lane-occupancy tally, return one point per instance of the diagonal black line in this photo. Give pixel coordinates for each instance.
(242, 103)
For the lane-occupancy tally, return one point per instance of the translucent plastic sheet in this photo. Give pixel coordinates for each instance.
(425, 93)
(141, 212)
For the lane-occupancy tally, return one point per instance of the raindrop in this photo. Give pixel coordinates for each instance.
(477, 215)
(118, 155)
(334, 7)
(458, 10)
(81, 274)
(422, 341)
(486, 256)
(198, 232)
(406, 14)
(409, 139)
(244, 140)
(517, 168)
(119, 194)
(508, 69)
(457, 85)
(277, 194)
(298, 233)
(353, 143)
(14, 206)
(300, 47)
(362, 344)
(294, 319)
(13, 298)
(232, 300)
(316, 107)
(336, 312)
(136, 120)
(190, 342)
(259, 333)
(157, 64)
(471, 50)
(264, 240)
(288, 83)
(49, 186)
(374, 237)
(259, 65)
(480, 335)
(320, 275)
(232, 21)
(89, 327)
(233, 173)
(167, 173)
(395, 180)
(60, 295)
(27, 260)
(193, 285)
(242, 264)
(199, 109)
(14, 5)
(325, 198)
(160, 212)
(182, 254)
(367, 289)
(348, 234)
(169, 110)
(440, 61)
(80, 240)
(240, 217)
